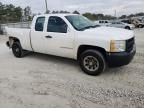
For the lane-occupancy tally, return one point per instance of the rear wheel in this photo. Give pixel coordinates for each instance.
(17, 50)
(127, 27)
(140, 26)
(92, 62)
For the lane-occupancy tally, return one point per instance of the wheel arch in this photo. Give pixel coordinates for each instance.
(12, 40)
(127, 27)
(83, 48)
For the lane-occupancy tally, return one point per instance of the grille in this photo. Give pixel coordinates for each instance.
(130, 44)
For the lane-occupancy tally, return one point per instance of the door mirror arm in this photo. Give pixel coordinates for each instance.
(68, 29)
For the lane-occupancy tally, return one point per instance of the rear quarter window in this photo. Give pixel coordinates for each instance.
(39, 26)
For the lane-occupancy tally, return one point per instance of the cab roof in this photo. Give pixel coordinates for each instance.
(60, 15)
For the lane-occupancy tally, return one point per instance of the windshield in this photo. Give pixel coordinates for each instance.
(80, 22)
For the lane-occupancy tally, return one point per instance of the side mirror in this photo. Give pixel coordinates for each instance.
(68, 29)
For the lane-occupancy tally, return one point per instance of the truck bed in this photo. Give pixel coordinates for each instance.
(22, 34)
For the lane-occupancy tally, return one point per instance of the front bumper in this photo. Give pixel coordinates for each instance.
(120, 59)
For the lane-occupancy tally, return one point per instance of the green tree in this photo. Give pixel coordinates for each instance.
(93, 16)
(76, 12)
(10, 13)
(27, 13)
(89, 16)
(123, 17)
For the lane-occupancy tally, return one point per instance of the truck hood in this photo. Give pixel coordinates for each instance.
(109, 33)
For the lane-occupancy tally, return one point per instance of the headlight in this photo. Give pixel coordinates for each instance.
(117, 46)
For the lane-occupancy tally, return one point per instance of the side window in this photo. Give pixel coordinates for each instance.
(56, 24)
(39, 26)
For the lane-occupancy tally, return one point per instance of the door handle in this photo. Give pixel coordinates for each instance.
(48, 36)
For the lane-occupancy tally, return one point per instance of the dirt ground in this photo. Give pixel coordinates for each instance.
(43, 81)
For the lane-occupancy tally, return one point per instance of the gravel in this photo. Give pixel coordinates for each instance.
(43, 81)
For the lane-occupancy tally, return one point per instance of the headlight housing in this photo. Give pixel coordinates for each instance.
(117, 46)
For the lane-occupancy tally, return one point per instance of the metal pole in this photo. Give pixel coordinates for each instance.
(116, 14)
(46, 6)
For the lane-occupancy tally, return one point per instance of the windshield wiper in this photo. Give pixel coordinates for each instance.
(94, 26)
(88, 27)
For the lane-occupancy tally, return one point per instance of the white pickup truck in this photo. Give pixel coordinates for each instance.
(76, 37)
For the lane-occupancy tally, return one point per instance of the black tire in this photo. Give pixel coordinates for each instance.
(97, 59)
(17, 50)
(127, 27)
(140, 26)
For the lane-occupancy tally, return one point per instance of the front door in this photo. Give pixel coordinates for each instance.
(56, 39)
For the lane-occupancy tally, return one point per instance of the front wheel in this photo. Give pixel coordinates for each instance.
(92, 62)
(140, 26)
(17, 50)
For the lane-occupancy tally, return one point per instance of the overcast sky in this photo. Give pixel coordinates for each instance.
(96, 6)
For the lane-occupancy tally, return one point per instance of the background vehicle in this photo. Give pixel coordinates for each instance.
(76, 37)
(119, 24)
(142, 19)
(102, 22)
(138, 23)
(127, 21)
(1, 30)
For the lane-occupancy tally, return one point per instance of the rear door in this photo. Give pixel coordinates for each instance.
(120, 25)
(37, 35)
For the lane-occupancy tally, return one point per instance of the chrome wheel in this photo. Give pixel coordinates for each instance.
(91, 63)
